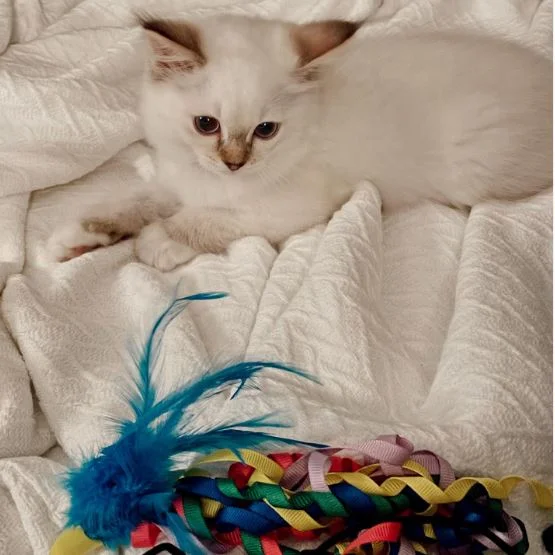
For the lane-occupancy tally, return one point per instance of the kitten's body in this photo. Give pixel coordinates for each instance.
(451, 118)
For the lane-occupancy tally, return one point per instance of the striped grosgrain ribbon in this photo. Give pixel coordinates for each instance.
(382, 496)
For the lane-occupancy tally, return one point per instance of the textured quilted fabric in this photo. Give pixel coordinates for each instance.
(433, 323)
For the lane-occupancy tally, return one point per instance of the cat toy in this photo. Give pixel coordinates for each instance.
(381, 496)
(131, 481)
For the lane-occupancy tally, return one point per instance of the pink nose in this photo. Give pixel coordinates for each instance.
(233, 166)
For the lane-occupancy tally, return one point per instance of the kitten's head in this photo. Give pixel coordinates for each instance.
(235, 93)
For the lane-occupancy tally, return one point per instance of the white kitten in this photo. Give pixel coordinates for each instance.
(265, 128)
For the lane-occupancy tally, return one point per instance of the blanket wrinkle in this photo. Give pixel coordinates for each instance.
(433, 323)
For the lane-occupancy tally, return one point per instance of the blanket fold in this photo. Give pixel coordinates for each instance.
(433, 323)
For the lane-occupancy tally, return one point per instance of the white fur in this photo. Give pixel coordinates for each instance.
(155, 248)
(72, 240)
(451, 118)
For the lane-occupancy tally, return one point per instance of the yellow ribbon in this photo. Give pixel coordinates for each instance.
(267, 471)
(253, 458)
(73, 541)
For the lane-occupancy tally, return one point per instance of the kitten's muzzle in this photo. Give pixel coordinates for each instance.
(235, 152)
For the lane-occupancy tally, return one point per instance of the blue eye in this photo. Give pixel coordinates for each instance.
(206, 125)
(266, 129)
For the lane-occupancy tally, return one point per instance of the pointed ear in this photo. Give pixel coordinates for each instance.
(313, 40)
(175, 47)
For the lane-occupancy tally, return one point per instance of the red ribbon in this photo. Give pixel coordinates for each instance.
(386, 532)
(145, 535)
(270, 546)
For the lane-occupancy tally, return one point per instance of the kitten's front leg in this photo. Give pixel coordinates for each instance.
(178, 239)
(106, 224)
(156, 248)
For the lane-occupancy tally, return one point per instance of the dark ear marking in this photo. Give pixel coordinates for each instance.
(175, 47)
(313, 40)
(180, 32)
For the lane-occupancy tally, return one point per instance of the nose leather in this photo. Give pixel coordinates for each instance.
(234, 166)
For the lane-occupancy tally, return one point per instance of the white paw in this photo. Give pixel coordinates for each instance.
(156, 248)
(72, 240)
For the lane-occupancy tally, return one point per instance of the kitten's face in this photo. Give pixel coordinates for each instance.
(232, 95)
(237, 115)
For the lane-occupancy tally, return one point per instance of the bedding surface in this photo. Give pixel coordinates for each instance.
(434, 324)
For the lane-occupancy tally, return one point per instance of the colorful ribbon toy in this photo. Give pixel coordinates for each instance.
(380, 497)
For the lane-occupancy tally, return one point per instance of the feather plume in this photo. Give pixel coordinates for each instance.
(131, 481)
(144, 396)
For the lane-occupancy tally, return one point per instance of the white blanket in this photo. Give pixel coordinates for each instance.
(432, 324)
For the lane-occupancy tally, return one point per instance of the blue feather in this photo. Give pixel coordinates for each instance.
(131, 481)
(231, 436)
(144, 397)
(185, 539)
(179, 401)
